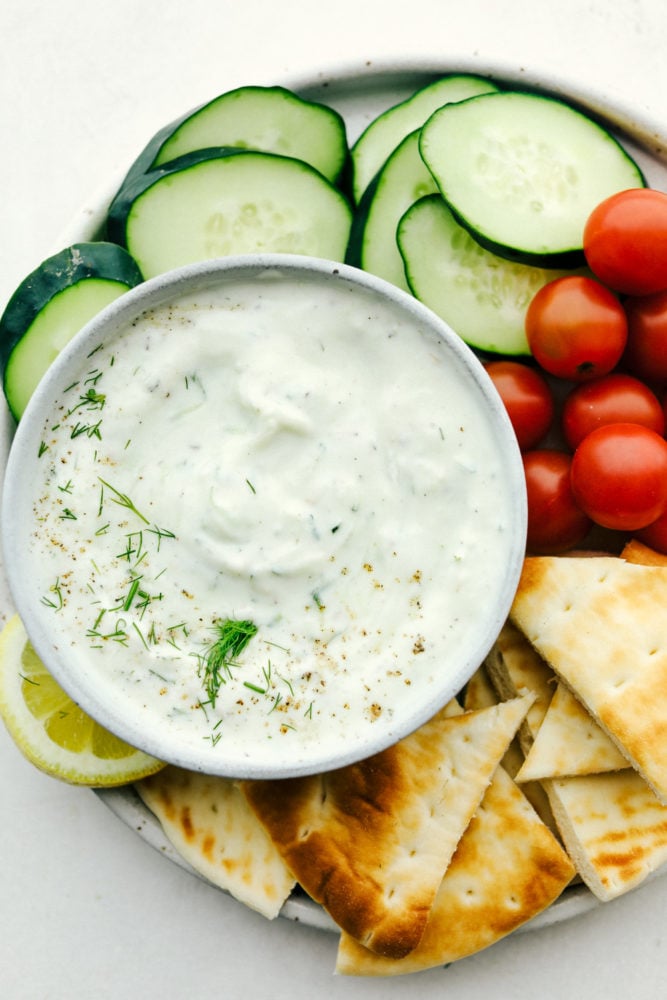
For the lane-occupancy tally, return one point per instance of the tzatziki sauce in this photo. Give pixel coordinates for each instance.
(266, 517)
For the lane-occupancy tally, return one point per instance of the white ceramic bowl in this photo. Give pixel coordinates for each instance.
(88, 529)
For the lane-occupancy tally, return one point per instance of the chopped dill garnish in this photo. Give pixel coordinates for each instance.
(132, 593)
(289, 686)
(276, 701)
(252, 488)
(122, 500)
(161, 533)
(90, 430)
(94, 375)
(232, 638)
(59, 601)
(277, 646)
(117, 634)
(29, 680)
(43, 446)
(91, 400)
(141, 636)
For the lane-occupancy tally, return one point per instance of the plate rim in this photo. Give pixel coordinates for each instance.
(636, 125)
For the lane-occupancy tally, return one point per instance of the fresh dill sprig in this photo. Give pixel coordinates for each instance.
(118, 633)
(161, 533)
(91, 400)
(232, 638)
(58, 601)
(90, 430)
(122, 500)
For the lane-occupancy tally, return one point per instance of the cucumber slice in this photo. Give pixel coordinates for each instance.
(269, 119)
(51, 305)
(217, 202)
(401, 181)
(384, 133)
(523, 172)
(483, 297)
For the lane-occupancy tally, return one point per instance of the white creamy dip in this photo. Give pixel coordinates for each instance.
(288, 453)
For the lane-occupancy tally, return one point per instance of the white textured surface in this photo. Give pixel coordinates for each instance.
(87, 909)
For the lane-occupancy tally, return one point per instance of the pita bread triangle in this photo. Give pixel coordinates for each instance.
(613, 828)
(370, 842)
(569, 742)
(635, 551)
(507, 868)
(210, 824)
(515, 668)
(600, 622)
(479, 694)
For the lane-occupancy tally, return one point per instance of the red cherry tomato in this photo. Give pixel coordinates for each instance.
(625, 241)
(576, 328)
(555, 522)
(612, 399)
(619, 476)
(655, 534)
(646, 350)
(527, 397)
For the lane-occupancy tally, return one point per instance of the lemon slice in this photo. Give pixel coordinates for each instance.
(51, 730)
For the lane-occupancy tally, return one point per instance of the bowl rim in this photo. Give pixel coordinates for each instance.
(110, 321)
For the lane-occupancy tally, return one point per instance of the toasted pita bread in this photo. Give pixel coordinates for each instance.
(507, 868)
(613, 827)
(480, 693)
(635, 551)
(210, 824)
(371, 841)
(569, 742)
(601, 624)
(515, 667)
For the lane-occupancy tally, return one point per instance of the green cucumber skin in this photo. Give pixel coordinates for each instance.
(563, 260)
(67, 267)
(134, 186)
(432, 96)
(405, 175)
(481, 295)
(563, 257)
(121, 210)
(355, 244)
(150, 157)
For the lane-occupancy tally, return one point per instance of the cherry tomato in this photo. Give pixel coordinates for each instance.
(555, 522)
(576, 328)
(527, 397)
(625, 241)
(655, 534)
(619, 476)
(646, 350)
(612, 399)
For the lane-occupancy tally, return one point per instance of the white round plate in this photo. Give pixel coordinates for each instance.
(360, 95)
